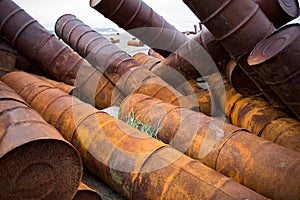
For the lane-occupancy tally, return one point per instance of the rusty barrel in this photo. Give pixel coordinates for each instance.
(84, 192)
(140, 20)
(265, 89)
(8, 56)
(211, 45)
(230, 150)
(257, 115)
(52, 56)
(153, 53)
(134, 164)
(238, 78)
(35, 161)
(135, 42)
(122, 70)
(146, 60)
(237, 25)
(279, 12)
(276, 60)
(60, 85)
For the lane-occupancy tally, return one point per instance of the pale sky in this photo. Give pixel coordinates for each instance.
(47, 12)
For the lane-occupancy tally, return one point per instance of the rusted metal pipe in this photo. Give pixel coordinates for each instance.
(276, 60)
(35, 161)
(60, 85)
(134, 164)
(136, 43)
(279, 12)
(151, 52)
(257, 116)
(237, 25)
(8, 56)
(140, 20)
(84, 192)
(238, 78)
(54, 57)
(146, 60)
(122, 70)
(230, 150)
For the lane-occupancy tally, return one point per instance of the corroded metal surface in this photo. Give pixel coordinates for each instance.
(8, 56)
(266, 90)
(237, 25)
(153, 53)
(248, 159)
(276, 60)
(136, 17)
(257, 116)
(64, 87)
(52, 56)
(146, 60)
(238, 78)
(134, 164)
(84, 192)
(279, 12)
(122, 70)
(43, 165)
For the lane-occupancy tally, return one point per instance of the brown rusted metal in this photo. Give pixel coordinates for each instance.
(151, 52)
(64, 87)
(8, 56)
(140, 20)
(239, 79)
(116, 65)
(84, 192)
(237, 25)
(52, 56)
(213, 47)
(248, 159)
(146, 60)
(279, 12)
(260, 83)
(43, 165)
(276, 60)
(257, 116)
(134, 164)
(135, 42)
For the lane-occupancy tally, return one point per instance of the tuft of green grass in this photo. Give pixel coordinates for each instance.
(139, 123)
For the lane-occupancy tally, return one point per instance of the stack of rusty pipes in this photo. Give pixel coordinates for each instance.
(140, 20)
(257, 116)
(122, 70)
(53, 57)
(18, 61)
(134, 164)
(276, 60)
(251, 113)
(241, 28)
(267, 168)
(35, 160)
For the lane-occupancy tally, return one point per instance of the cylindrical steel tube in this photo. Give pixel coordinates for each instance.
(256, 115)
(35, 161)
(8, 56)
(136, 17)
(238, 78)
(116, 65)
(84, 192)
(279, 12)
(146, 60)
(223, 147)
(151, 52)
(134, 164)
(64, 87)
(276, 60)
(237, 25)
(52, 56)
(266, 90)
